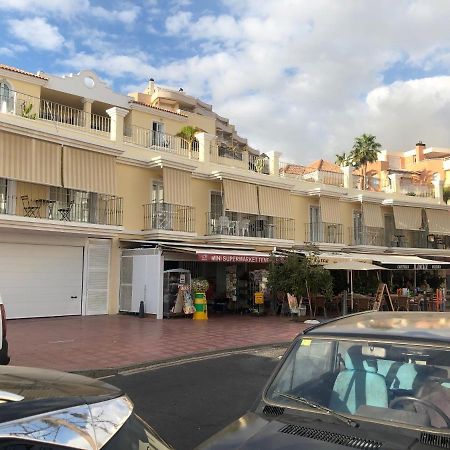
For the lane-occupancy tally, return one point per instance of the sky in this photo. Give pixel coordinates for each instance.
(298, 76)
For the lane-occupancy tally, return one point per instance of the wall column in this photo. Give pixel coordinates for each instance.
(87, 109)
(117, 123)
(274, 162)
(438, 187)
(347, 171)
(204, 141)
(395, 182)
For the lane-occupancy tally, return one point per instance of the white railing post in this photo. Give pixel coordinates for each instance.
(438, 187)
(205, 140)
(87, 109)
(395, 182)
(274, 162)
(117, 123)
(348, 176)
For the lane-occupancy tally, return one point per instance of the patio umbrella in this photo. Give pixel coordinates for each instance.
(350, 266)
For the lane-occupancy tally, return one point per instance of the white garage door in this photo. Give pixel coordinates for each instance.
(41, 280)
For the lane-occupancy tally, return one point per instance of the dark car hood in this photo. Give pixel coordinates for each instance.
(44, 390)
(252, 432)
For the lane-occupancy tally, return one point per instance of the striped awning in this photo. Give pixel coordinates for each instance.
(274, 202)
(177, 186)
(89, 171)
(438, 221)
(28, 159)
(330, 210)
(372, 215)
(240, 197)
(407, 218)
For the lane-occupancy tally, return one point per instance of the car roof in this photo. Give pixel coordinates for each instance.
(421, 326)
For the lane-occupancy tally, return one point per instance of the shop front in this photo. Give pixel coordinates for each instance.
(237, 279)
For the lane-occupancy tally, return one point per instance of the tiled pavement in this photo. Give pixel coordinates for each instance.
(99, 342)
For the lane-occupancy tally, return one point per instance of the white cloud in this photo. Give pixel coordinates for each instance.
(179, 22)
(306, 77)
(127, 15)
(37, 33)
(62, 7)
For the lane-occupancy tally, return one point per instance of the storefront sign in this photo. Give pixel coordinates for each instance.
(259, 298)
(211, 257)
(414, 266)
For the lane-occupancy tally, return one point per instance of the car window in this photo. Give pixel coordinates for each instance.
(386, 381)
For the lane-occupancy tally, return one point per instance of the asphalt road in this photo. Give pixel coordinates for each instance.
(190, 401)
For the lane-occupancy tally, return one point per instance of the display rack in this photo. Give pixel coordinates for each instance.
(176, 282)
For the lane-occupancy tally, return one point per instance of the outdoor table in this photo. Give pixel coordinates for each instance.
(48, 203)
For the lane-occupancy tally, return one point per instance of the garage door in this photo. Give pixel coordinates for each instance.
(41, 280)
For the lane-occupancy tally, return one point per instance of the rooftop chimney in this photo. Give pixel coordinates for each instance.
(151, 86)
(420, 147)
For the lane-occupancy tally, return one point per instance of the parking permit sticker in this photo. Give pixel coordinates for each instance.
(306, 342)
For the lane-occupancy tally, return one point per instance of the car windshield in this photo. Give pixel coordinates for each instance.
(406, 384)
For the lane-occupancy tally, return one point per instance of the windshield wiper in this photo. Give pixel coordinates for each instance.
(318, 406)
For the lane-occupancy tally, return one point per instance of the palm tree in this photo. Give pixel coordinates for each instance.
(188, 133)
(365, 151)
(341, 160)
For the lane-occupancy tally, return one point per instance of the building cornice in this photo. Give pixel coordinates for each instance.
(259, 179)
(31, 79)
(157, 111)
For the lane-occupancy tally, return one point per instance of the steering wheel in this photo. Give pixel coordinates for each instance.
(408, 398)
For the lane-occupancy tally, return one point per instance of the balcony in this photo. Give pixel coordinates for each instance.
(324, 232)
(35, 108)
(169, 217)
(258, 163)
(325, 177)
(66, 206)
(158, 141)
(249, 225)
(367, 236)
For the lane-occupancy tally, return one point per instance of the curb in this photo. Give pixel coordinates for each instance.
(111, 371)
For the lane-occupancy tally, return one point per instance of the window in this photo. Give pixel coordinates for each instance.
(216, 204)
(158, 136)
(157, 192)
(357, 228)
(314, 224)
(6, 97)
(3, 195)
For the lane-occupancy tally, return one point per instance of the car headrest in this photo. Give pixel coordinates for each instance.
(355, 360)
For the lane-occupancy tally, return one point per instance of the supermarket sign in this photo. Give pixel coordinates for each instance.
(217, 257)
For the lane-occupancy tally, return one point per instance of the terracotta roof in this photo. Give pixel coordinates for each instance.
(322, 164)
(293, 169)
(159, 109)
(23, 72)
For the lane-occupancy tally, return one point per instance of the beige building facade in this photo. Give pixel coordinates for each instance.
(87, 175)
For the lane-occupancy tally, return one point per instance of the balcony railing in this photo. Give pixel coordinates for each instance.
(324, 232)
(16, 103)
(249, 225)
(367, 236)
(169, 217)
(325, 177)
(76, 206)
(228, 152)
(259, 164)
(156, 140)
(417, 190)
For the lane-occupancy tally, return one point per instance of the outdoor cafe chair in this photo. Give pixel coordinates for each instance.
(224, 225)
(30, 209)
(64, 213)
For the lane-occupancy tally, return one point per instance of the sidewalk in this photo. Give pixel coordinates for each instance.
(100, 342)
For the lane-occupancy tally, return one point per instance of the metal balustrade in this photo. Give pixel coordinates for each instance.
(169, 217)
(249, 225)
(325, 177)
(156, 140)
(416, 190)
(324, 232)
(23, 105)
(258, 163)
(70, 206)
(367, 236)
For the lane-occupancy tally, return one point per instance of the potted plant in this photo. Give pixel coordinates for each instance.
(446, 194)
(200, 285)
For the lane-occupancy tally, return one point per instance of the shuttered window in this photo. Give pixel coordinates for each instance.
(240, 197)
(274, 202)
(372, 215)
(330, 210)
(84, 170)
(28, 159)
(177, 187)
(438, 221)
(407, 218)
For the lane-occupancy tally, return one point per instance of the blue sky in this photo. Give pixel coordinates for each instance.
(296, 76)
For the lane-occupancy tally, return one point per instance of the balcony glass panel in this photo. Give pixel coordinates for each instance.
(169, 217)
(325, 232)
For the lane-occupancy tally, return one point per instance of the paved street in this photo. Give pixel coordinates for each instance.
(187, 403)
(99, 342)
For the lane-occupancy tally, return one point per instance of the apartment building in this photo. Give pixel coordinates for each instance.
(88, 176)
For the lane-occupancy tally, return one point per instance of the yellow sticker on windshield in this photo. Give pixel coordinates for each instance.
(306, 342)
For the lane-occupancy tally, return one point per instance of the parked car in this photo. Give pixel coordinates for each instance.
(375, 380)
(47, 410)
(4, 356)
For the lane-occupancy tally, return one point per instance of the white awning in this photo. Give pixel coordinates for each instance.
(438, 221)
(407, 218)
(407, 262)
